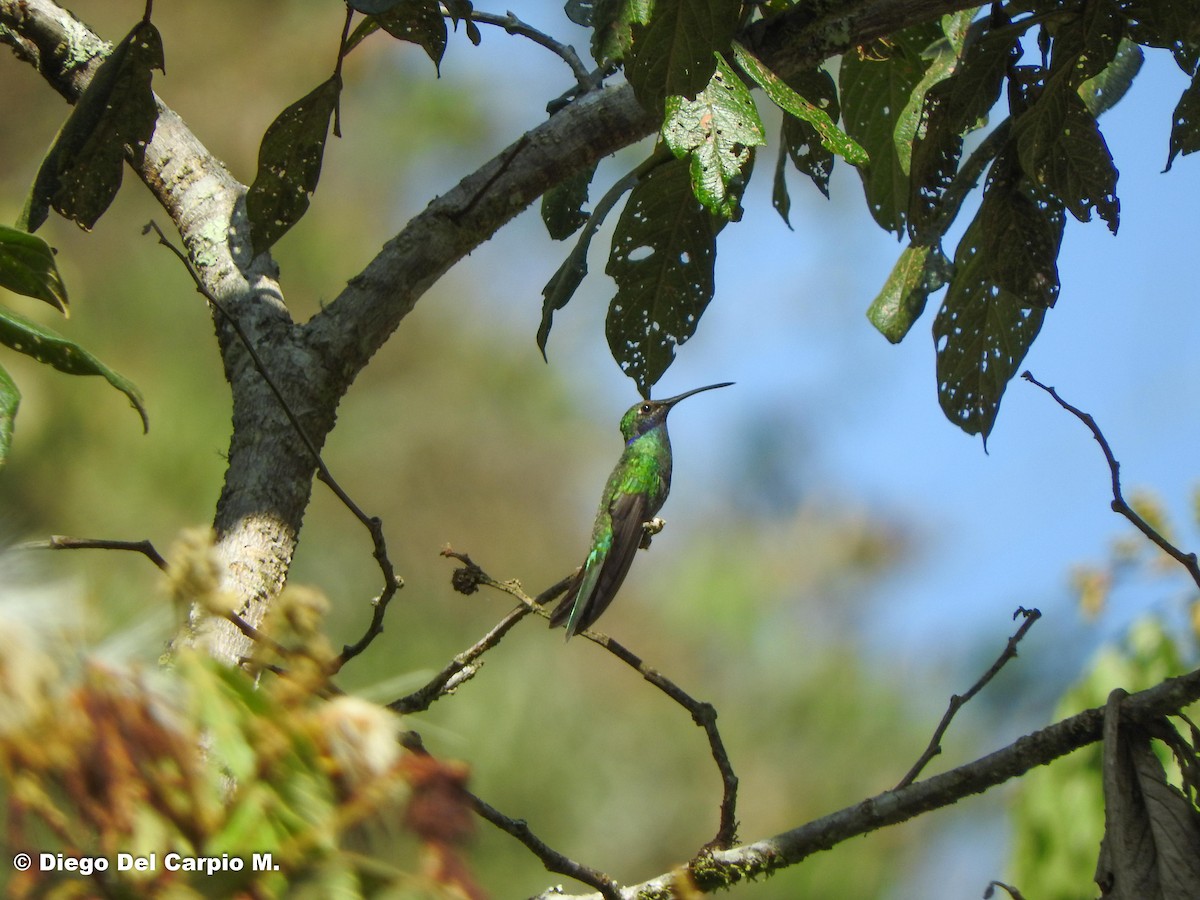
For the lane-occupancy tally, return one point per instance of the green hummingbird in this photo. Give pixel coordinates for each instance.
(634, 493)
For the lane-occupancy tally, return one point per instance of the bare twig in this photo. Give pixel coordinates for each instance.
(62, 542)
(509, 22)
(958, 701)
(1187, 560)
(374, 526)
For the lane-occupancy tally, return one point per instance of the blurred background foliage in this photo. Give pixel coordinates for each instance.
(458, 433)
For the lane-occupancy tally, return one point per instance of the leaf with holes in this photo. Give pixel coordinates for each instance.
(27, 267)
(289, 164)
(782, 95)
(662, 258)
(113, 117)
(876, 84)
(673, 55)
(1173, 24)
(1185, 122)
(54, 350)
(1062, 149)
(612, 24)
(418, 22)
(10, 399)
(716, 132)
(562, 205)
(801, 141)
(1104, 90)
(919, 272)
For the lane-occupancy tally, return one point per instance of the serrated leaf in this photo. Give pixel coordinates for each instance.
(1005, 276)
(673, 54)
(418, 22)
(782, 95)
(1062, 149)
(662, 258)
(115, 115)
(27, 267)
(716, 133)
(289, 164)
(54, 350)
(1185, 123)
(562, 205)
(918, 272)
(875, 87)
(10, 399)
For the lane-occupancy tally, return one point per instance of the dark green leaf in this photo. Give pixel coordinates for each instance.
(780, 198)
(943, 58)
(875, 87)
(1062, 149)
(562, 205)
(289, 164)
(1185, 123)
(800, 139)
(10, 399)
(1005, 275)
(53, 349)
(673, 55)
(716, 132)
(662, 258)
(372, 7)
(782, 95)
(27, 267)
(419, 22)
(1085, 44)
(612, 27)
(580, 12)
(461, 11)
(919, 272)
(1103, 91)
(115, 116)
(1173, 24)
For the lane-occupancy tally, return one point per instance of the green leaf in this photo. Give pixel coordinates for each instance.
(673, 55)
(1085, 44)
(918, 272)
(10, 399)
(1173, 24)
(1185, 122)
(27, 267)
(1103, 91)
(114, 116)
(418, 22)
(612, 27)
(289, 164)
(52, 349)
(562, 205)
(1005, 276)
(1062, 149)
(780, 198)
(800, 139)
(875, 88)
(782, 95)
(662, 258)
(716, 132)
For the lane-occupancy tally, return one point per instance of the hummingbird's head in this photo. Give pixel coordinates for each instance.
(650, 414)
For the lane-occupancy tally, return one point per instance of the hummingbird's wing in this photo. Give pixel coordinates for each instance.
(606, 567)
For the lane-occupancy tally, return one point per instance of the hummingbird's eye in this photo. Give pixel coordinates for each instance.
(646, 409)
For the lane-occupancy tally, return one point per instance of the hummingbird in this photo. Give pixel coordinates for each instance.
(634, 493)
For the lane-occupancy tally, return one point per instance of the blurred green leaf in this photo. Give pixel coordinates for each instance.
(716, 133)
(918, 272)
(116, 115)
(53, 349)
(662, 258)
(1104, 90)
(673, 55)
(289, 164)
(782, 95)
(562, 205)
(27, 267)
(10, 399)
(612, 24)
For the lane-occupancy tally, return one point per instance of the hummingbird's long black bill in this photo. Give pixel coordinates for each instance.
(671, 401)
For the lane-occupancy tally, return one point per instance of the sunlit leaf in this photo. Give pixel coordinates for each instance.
(289, 164)
(52, 349)
(801, 140)
(115, 116)
(918, 272)
(27, 267)
(716, 133)
(662, 258)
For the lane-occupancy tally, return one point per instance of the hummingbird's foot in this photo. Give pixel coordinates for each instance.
(649, 530)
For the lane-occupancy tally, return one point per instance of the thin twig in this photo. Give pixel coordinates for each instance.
(519, 828)
(509, 22)
(958, 701)
(62, 542)
(1187, 560)
(467, 579)
(374, 526)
